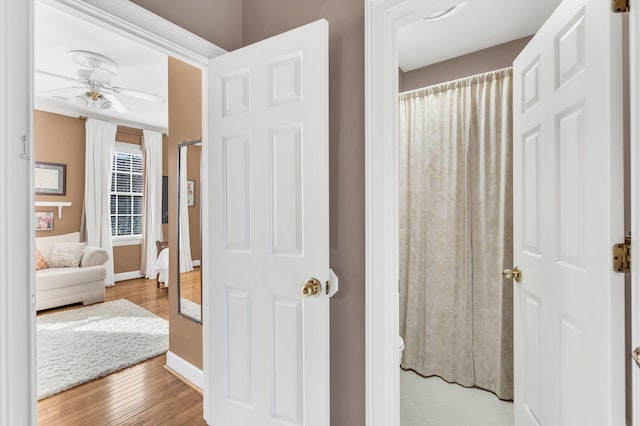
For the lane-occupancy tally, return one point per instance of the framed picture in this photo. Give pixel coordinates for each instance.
(50, 178)
(44, 221)
(191, 193)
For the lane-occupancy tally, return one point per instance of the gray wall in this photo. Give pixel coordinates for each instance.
(219, 21)
(479, 62)
(232, 23)
(262, 19)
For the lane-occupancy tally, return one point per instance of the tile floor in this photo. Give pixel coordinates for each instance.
(434, 402)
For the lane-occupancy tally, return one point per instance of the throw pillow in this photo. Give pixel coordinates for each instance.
(41, 262)
(66, 255)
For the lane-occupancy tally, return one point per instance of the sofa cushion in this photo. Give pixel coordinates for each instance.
(66, 255)
(41, 262)
(94, 256)
(45, 244)
(50, 278)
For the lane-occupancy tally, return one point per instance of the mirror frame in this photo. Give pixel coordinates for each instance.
(181, 145)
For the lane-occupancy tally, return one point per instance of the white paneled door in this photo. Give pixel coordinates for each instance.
(568, 213)
(269, 168)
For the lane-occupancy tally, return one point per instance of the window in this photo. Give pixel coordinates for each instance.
(127, 180)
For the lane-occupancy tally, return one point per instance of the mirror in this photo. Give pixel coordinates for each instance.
(189, 220)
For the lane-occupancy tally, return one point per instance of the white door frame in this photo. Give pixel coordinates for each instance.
(382, 19)
(634, 89)
(17, 274)
(139, 25)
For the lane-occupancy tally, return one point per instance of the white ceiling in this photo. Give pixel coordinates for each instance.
(139, 68)
(476, 25)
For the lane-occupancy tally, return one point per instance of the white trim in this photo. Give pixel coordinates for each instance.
(205, 276)
(137, 23)
(126, 241)
(382, 18)
(634, 92)
(123, 276)
(54, 107)
(188, 371)
(195, 262)
(17, 302)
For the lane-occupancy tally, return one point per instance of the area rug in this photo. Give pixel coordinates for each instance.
(80, 345)
(190, 309)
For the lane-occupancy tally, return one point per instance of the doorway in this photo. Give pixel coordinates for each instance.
(172, 41)
(383, 18)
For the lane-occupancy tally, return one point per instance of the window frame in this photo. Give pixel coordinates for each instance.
(127, 240)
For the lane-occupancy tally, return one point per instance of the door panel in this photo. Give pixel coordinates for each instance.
(270, 177)
(568, 212)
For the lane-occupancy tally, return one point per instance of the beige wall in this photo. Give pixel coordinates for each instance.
(479, 62)
(185, 123)
(262, 19)
(61, 139)
(218, 21)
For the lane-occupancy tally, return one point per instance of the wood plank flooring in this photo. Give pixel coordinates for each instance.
(145, 394)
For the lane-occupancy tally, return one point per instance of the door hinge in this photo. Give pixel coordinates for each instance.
(622, 256)
(636, 356)
(620, 6)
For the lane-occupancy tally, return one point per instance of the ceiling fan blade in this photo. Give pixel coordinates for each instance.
(64, 77)
(139, 95)
(116, 103)
(65, 92)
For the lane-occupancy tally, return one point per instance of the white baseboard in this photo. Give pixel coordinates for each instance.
(185, 369)
(195, 262)
(123, 276)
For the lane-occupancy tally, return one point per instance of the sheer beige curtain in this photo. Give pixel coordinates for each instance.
(456, 231)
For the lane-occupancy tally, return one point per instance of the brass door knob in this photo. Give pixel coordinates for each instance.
(311, 288)
(515, 274)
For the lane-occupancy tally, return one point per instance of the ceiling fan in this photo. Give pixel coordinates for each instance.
(93, 88)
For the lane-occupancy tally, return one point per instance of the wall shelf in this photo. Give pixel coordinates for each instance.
(58, 204)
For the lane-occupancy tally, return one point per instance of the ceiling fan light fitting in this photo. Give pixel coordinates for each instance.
(104, 103)
(444, 13)
(82, 100)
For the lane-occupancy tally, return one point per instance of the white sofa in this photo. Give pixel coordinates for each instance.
(64, 286)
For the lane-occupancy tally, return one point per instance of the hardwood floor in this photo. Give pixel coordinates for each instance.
(145, 394)
(190, 285)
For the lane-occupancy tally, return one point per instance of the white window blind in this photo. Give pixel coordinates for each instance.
(127, 180)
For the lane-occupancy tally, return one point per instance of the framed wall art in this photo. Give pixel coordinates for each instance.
(50, 178)
(44, 221)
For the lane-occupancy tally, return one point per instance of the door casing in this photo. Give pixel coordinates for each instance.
(634, 119)
(142, 26)
(382, 20)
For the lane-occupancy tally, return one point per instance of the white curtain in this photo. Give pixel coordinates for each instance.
(456, 231)
(153, 200)
(100, 140)
(184, 240)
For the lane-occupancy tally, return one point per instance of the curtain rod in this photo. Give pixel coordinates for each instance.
(459, 80)
(84, 118)
(192, 141)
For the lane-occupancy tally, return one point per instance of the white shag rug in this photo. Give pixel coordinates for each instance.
(84, 344)
(190, 309)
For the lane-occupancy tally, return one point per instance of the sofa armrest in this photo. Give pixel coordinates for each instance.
(94, 256)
